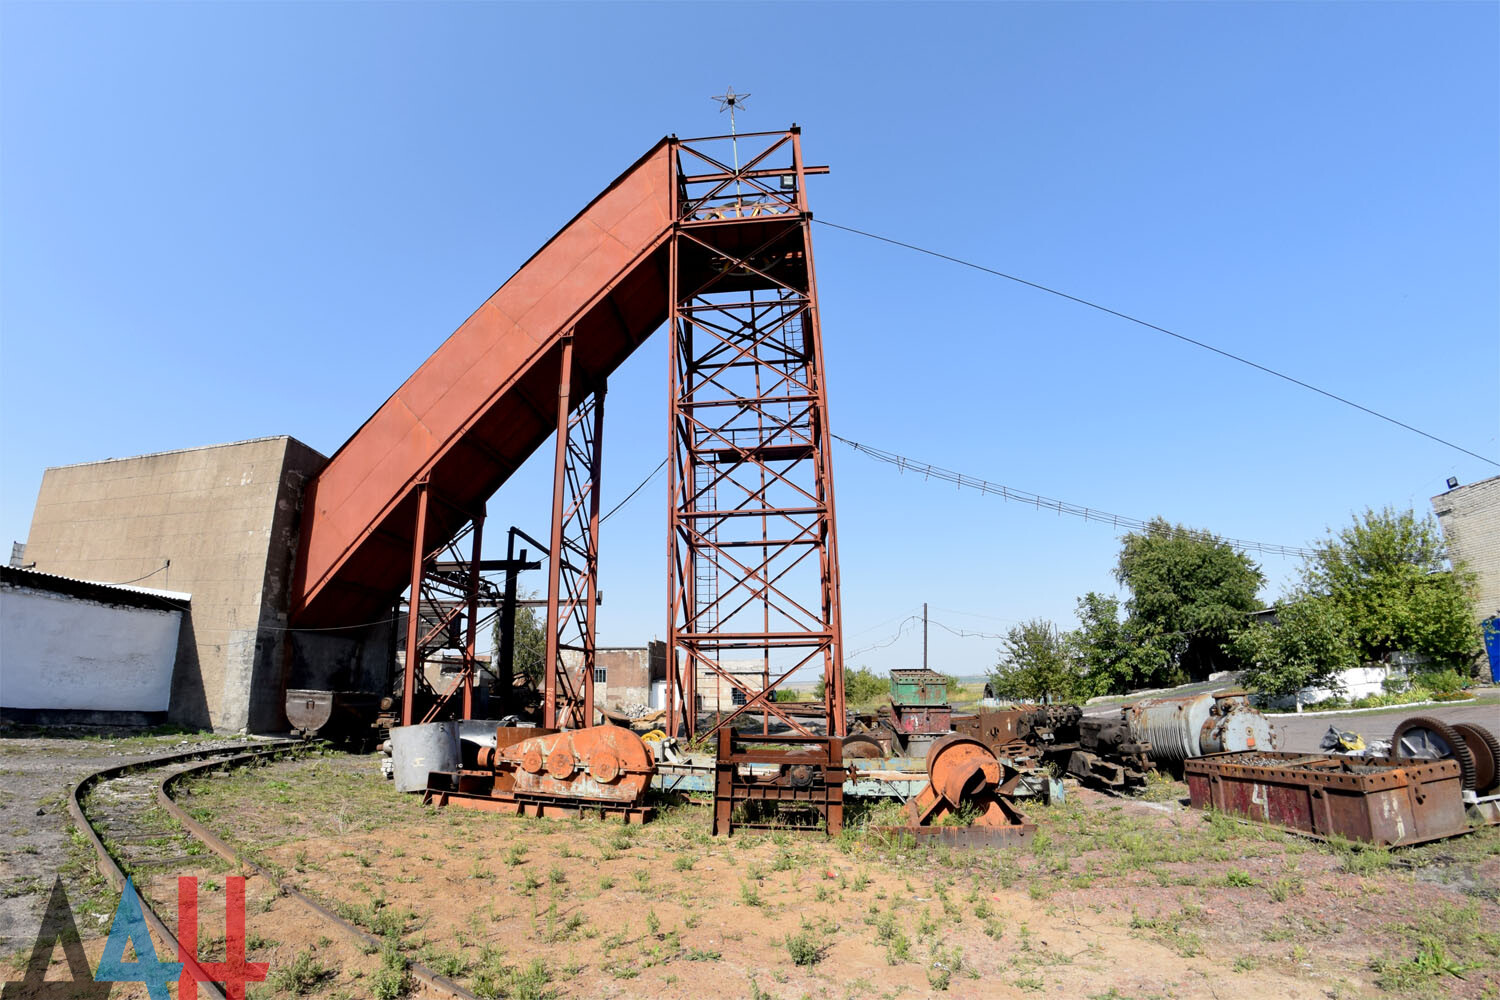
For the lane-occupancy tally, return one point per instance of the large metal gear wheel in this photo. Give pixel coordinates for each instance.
(1424, 738)
(1486, 751)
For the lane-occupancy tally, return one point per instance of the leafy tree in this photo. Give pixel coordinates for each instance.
(1387, 573)
(530, 641)
(1309, 645)
(1111, 659)
(1190, 592)
(1036, 665)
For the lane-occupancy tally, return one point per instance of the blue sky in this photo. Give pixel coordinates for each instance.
(221, 221)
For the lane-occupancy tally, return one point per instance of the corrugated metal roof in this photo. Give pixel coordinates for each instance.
(53, 581)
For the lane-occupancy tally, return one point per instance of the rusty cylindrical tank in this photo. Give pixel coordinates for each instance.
(1182, 728)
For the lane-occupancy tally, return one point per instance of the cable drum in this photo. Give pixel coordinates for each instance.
(1171, 725)
(1179, 729)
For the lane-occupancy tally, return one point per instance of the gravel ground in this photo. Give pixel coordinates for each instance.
(36, 774)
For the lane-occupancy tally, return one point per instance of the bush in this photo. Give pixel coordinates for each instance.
(861, 687)
(1310, 644)
(1440, 682)
(805, 947)
(301, 976)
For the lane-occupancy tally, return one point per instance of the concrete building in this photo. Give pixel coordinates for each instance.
(717, 694)
(627, 676)
(78, 652)
(217, 522)
(1470, 519)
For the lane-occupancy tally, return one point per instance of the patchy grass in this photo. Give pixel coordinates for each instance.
(591, 909)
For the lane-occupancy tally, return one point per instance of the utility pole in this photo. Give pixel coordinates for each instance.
(924, 634)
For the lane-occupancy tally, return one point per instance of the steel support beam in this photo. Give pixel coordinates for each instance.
(413, 619)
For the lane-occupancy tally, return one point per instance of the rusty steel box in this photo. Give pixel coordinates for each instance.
(922, 719)
(1386, 801)
(918, 687)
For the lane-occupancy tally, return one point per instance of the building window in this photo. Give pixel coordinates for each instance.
(736, 697)
(599, 675)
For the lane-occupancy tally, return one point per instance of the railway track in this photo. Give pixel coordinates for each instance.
(137, 830)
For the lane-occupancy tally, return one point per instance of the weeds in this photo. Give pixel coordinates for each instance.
(301, 976)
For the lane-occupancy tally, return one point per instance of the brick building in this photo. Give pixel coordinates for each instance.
(1470, 519)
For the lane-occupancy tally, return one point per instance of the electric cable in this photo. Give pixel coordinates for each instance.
(1161, 329)
(138, 579)
(1009, 493)
(629, 496)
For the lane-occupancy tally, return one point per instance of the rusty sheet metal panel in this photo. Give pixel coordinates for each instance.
(484, 400)
(1378, 800)
(923, 719)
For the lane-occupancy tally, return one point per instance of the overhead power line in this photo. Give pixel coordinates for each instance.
(631, 495)
(1026, 497)
(1170, 333)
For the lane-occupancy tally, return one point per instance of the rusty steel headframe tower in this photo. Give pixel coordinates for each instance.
(712, 238)
(753, 546)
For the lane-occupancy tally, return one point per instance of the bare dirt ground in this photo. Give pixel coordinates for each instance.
(1115, 899)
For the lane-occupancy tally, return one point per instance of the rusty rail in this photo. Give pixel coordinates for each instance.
(110, 868)
(220, 847)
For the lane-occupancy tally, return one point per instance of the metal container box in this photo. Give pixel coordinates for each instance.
(918, 687)
(1385, 801)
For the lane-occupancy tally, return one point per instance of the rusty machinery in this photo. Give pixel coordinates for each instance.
(1473, 748)
(778, 782)
(918, 707)
(969, 800)
(1121, 748)
(603, 769)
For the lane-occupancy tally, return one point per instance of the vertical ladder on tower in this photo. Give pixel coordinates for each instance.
(705, 573)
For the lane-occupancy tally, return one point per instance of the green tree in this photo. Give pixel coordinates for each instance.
(1111, 659)
(530, 641)
(1189, 594)
(1035, 665)
(1387, 574)
(1309, 645)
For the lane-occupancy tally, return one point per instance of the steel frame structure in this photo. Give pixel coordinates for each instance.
(752, 549)
(439, 597)
(573, 555)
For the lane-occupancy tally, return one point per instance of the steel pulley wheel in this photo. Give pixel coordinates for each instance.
(1424, 738)
(1486, 752)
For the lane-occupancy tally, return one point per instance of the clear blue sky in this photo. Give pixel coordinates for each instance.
(221, 221)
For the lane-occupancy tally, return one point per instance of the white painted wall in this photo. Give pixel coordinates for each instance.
(1356, 683)
(61, 652)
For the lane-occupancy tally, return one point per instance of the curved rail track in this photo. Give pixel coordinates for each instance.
(119, 798)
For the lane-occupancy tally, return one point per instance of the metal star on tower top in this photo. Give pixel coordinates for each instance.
(729, 101)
